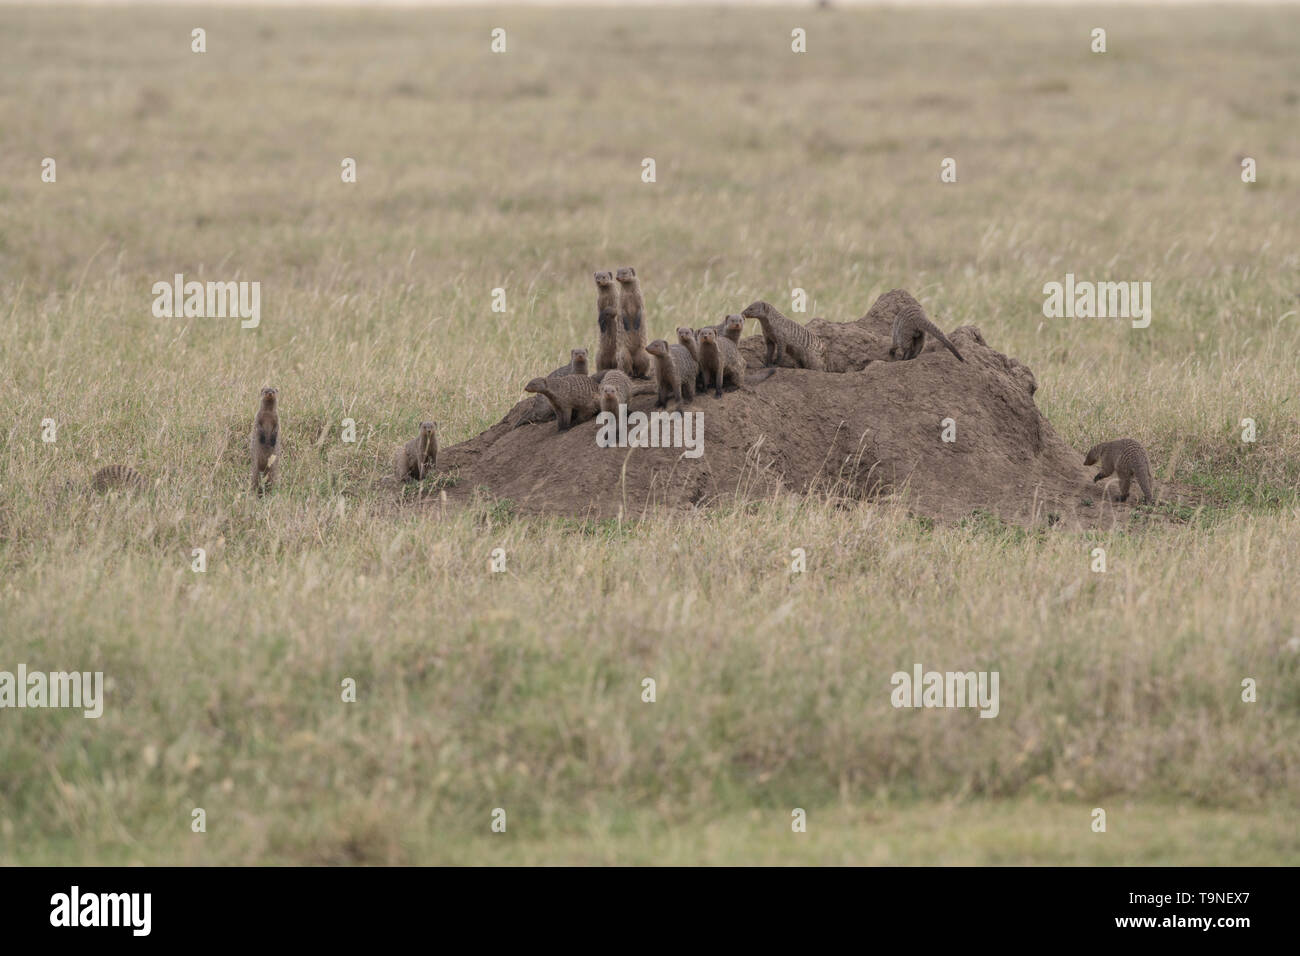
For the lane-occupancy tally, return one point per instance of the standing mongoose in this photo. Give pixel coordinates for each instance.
(606, 291)
(720, 361)
(910, 328)
(417, 457)
(782, 335)
(690, 340)
(117, 476)
(1127, 459)
(264, 442)
(612, 352)
(631, 309)
(675, 371)
(540, 410)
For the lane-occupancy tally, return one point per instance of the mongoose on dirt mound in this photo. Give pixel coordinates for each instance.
(631, 309)
(540, 410)
(786, 337)
(949, 439)
(675, 371)
(720, 361)
(910, 329)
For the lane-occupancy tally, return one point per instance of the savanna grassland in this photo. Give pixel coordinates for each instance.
(522, 171)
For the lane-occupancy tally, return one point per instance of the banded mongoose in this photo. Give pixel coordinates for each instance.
(689, 339)
(910, 328)
(264, 442)
(417, 457)
(720, 361)
(540, 410)
(574, 397)
(612, 352)
(606, 291)
(1125, 458)
(675, 371)
(631, 309)
(117, 476)
(782, 336)
(733, 326)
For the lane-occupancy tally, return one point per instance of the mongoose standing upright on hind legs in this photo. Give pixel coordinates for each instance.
(631, 309)
(417, 457)
(612, 350)
(910, 328)
(1125, 458)
(785, 336)
(264, 442)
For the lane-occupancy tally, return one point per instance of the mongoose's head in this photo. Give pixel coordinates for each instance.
(268, 397)
(605, 278)
(626, 274)
(708, 336)
(428, 429)
(608, 393)
(756, 310)
(577, 357)
(1094, 455)
(607, 319)
(685, 335)
(733, 322)
(657, 347)
(537, 385)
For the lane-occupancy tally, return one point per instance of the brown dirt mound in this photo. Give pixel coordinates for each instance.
(865, 427)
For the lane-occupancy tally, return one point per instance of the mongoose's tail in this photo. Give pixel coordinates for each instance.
(753, 378)
(117, 476)
(931, 328)
(651, 389)
(1143, 475)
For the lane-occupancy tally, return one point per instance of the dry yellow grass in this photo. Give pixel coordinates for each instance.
(475, 691)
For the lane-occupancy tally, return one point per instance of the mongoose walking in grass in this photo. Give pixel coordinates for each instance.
(631, 309)
(117, 476)
(783, 336)
(264, 442)
(675, 372)
(1125, 458)
(720, 361)
(417, 457)
(910, 328)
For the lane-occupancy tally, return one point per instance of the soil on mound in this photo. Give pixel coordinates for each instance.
(865, 427)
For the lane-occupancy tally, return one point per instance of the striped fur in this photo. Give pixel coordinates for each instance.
(784, 336)
(1127, 460)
